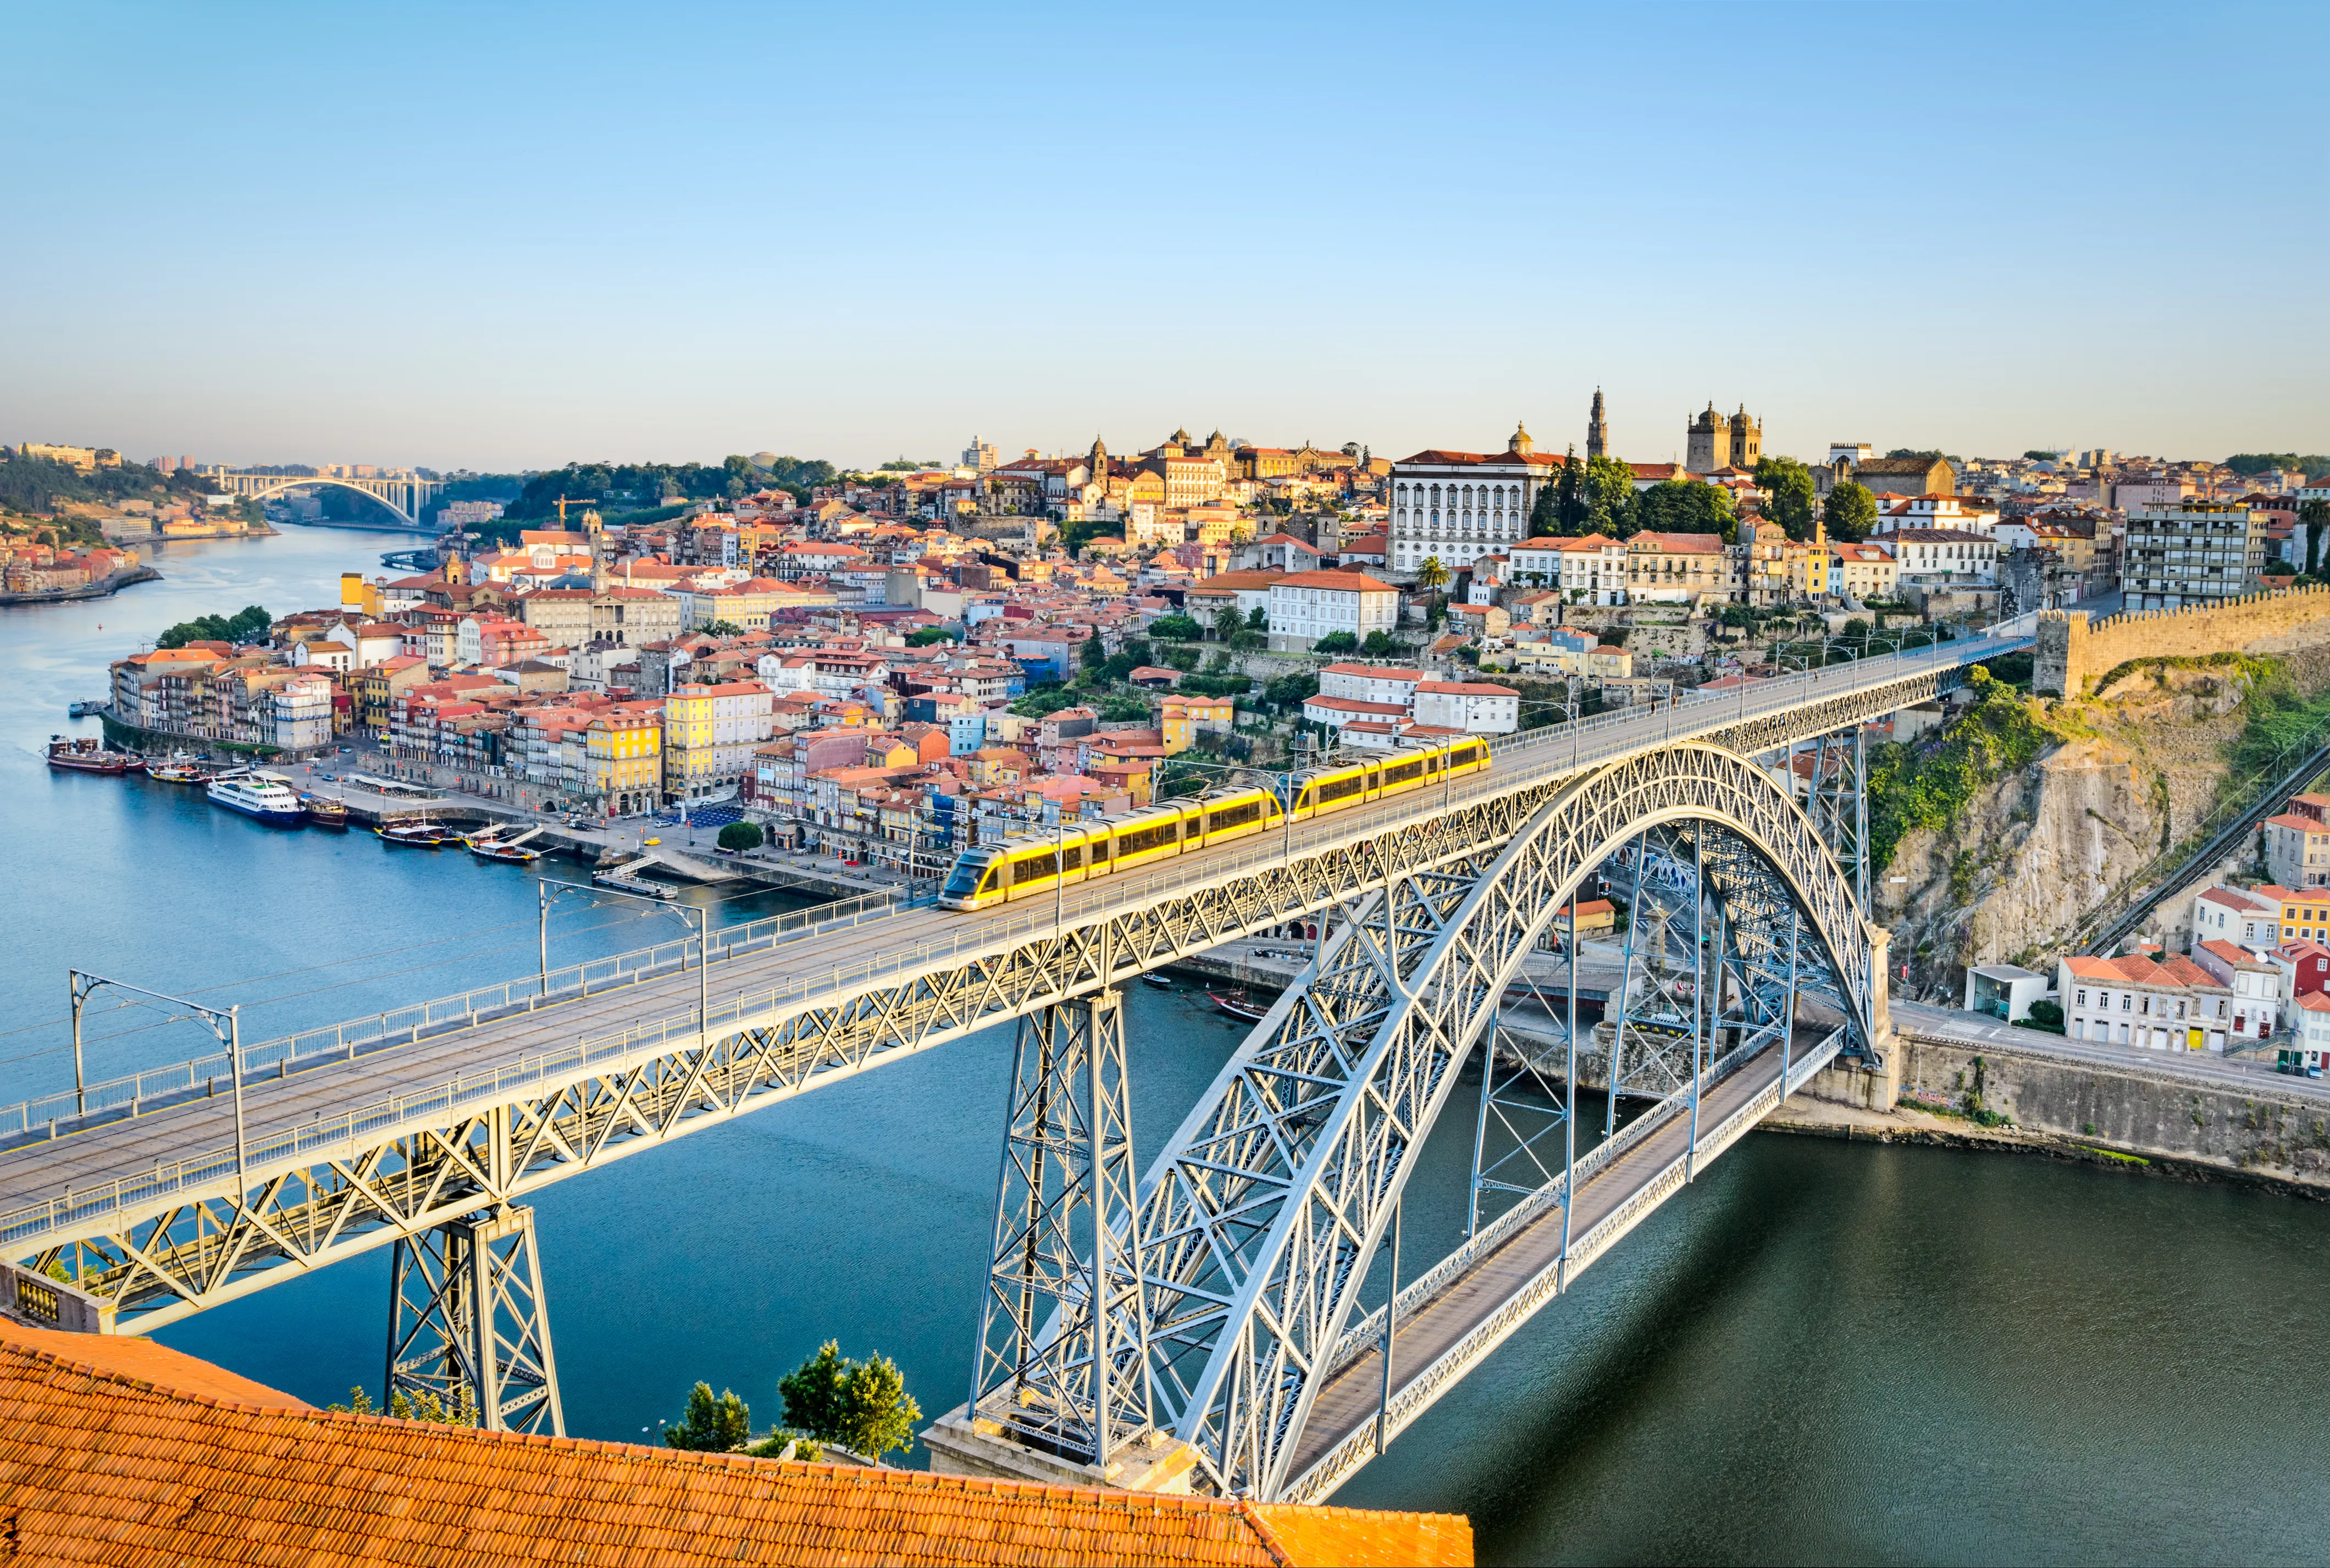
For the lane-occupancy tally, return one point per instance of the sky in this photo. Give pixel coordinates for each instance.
(509, 236)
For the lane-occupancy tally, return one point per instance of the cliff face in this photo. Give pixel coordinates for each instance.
(2037, 848)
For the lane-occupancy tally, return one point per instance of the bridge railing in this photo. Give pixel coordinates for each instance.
(420, 1021)
(340, 1133)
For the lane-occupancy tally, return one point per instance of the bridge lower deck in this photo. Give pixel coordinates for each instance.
(1346, 1407)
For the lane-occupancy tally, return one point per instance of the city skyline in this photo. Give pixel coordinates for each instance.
(500, 245)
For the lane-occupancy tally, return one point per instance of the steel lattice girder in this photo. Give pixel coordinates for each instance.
(467, 1317)
(164, 1257)
(1067, 1173)
(1258, 1217)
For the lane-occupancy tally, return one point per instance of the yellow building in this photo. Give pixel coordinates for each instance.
(1180, 718)
(623, 758)
(360, 596)
(709, 733)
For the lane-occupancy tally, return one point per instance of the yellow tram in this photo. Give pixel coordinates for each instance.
(1022, 867)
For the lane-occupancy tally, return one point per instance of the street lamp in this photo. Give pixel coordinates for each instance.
(81, 983)
(544, 890)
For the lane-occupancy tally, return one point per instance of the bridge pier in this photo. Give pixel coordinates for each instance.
(468, 1327)
(1870, 1080)
(1049, 1400)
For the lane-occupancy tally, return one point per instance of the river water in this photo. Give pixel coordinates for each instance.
(1821, 1352)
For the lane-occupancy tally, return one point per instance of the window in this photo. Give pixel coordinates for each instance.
(2083, 998)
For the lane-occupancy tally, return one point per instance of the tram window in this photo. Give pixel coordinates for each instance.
(1035, 867)
(1141, 838)
(1341, 789)
(1403, 773)
(1233, 816)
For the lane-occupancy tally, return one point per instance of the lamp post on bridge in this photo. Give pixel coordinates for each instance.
(82, 983)
(547, 896)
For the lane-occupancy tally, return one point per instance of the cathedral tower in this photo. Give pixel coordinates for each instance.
(1597, 430)
(1747, 439)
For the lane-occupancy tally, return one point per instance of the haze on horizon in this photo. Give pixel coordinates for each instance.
(438, 236)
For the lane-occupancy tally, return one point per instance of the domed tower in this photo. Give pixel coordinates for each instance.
(1707, 444)
(1098, 461)
(1747, 439)
(1597, 430)
(1520, 443)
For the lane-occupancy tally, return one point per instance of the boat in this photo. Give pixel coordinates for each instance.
(85, 707)
(491, 845)
(88, 755)
(1154, 978)
(415, 833)
(326, 810)
(1238, 1007)
(179, 769)
(257, 793)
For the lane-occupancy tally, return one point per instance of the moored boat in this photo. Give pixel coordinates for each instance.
(257, 793)
(415, 833)
(87, 755)
(1238, 1007)
(497, 843)
(178, 769)
(1154, 979)
(326, 810)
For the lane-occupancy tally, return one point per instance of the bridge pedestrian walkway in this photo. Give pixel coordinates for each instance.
(1451, 1318)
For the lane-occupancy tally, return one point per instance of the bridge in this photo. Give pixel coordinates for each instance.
(404, 495)
(1206, 1321)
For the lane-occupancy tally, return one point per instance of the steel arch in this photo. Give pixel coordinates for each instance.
(1258, 1220)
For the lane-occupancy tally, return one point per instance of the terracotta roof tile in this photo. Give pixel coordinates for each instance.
(116, 1450)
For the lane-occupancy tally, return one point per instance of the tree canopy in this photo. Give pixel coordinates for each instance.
(244, 624)
(1176, 627)
(1787, 487)
(648, 485)
(863, 1406)
(711, 1425)
(2248, 463)
(1686, 506)
(1850, 511)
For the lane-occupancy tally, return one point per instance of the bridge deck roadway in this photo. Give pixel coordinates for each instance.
(834, 966)
(1430, 1332)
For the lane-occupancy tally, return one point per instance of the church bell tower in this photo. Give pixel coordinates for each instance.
(1597, 430)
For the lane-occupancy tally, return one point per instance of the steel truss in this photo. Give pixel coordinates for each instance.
(202, 1234)
(468, 1327)
(1063, 1201)
(1256, 1221)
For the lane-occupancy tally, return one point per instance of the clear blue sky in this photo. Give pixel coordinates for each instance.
(501, 236)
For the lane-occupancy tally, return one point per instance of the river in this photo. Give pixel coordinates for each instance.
(1820, 1352)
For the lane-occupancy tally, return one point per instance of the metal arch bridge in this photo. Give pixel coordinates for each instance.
(1233, 1331)
(403, 495)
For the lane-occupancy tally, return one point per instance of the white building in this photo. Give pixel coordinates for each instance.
(2297, 850)
(2229, 914)
(1963, 513)
(1479, 707)
(1309, 605)
(1591, 569)
(1458, 506)
(1942, 555)
(2173, 1005)
(1390, 684)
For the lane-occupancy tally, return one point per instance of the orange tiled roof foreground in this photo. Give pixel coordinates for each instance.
(121, 1450)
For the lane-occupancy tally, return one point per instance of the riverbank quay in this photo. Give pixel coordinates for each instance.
(111, 585)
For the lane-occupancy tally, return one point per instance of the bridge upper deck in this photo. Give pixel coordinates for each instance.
(305, 1108)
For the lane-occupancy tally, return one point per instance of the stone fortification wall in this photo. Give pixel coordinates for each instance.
(2073, 651)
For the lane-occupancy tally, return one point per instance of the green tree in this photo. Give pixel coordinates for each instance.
(1930, 455)
(1850, 511)
(244, 625)
(1336, 642)
(1228, 622)
(1176, 627)
(1379, 645)
(721, 628)
(1430, 575)
(1551, 512)
(461, 1410)
(1291, 691)
(924, 636)
(813, 1392)
(2316, 517)
(2037, 456)
(1181, 656)
(1687, 506)
(740, 836)
(1787, 487)
(1609, 498)
(1258, 619)
(877, 1414)
(711, 1425)
(1092, 653)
